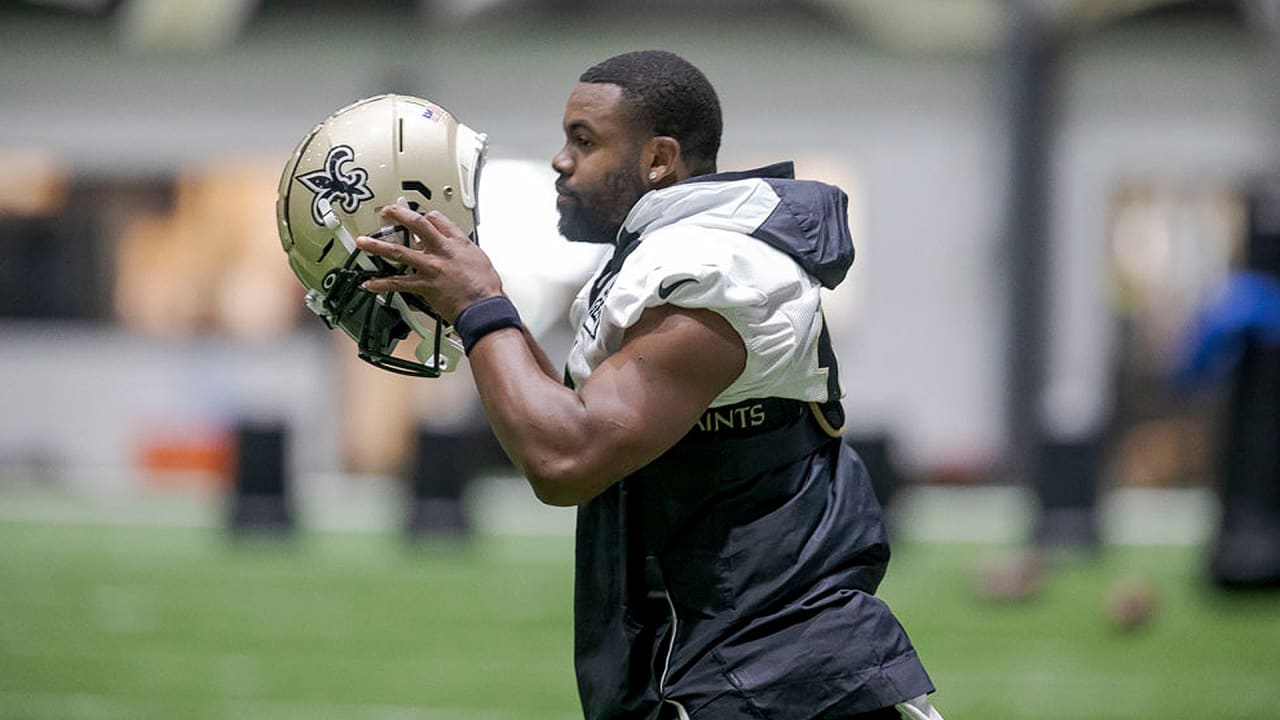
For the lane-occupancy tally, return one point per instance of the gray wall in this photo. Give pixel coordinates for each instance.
(922, 324)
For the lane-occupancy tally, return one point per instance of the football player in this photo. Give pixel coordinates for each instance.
(729, 544)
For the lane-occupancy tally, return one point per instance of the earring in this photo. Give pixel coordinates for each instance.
(653, 175)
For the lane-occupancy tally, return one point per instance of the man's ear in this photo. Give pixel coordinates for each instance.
(663, 164)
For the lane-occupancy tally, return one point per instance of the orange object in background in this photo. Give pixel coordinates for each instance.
(201, 460)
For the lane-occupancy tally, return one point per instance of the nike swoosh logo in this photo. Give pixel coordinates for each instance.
(666, 290)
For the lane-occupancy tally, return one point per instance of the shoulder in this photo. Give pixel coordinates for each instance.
(705, 267)
(706, 252)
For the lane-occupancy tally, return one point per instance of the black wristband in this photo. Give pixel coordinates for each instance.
(483, 317)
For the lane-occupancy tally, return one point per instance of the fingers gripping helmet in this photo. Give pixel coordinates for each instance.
(378, 151)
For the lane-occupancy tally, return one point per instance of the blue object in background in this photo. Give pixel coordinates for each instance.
(1248, 307)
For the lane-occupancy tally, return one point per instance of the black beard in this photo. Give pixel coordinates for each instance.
(596, 217)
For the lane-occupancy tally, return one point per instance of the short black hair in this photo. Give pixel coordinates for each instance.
(668, 96)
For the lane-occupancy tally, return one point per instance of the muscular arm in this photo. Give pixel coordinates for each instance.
(540, 356)
(570, 444)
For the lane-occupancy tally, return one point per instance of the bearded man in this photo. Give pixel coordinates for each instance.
(729, 544)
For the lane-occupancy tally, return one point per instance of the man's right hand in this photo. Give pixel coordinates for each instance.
(448, 270)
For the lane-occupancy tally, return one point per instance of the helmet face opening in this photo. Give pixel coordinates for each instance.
(388, 149)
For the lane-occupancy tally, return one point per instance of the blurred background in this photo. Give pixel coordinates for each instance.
(1060, 344)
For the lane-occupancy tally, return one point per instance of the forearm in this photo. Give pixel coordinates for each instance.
(543, 425)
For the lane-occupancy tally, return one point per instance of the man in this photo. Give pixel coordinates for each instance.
(728, 542)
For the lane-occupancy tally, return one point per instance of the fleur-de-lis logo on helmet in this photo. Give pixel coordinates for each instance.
(346, 189)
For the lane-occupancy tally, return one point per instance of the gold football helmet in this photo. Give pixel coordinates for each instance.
(377, 151)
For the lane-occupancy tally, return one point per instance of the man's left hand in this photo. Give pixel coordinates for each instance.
(449, 270)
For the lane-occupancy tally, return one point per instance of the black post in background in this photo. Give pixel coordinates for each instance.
(1065, 475)
(445, 462)
(1062, 472)
(1028, 73)
(260, 495)
(877, 454)
(1246, 553)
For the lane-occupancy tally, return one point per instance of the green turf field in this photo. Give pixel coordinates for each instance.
(180, 623)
